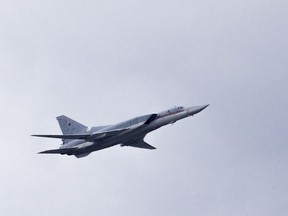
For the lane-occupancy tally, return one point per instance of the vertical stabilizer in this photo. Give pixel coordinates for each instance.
(69, 126)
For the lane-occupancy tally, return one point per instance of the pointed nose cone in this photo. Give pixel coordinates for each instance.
(196, 109)
(203, 107)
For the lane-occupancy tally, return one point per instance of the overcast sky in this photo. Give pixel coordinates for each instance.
(102, 62)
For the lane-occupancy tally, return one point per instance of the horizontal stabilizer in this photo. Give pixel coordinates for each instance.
(139, 144)
(66, 136)
(94, 136)
(59, 151)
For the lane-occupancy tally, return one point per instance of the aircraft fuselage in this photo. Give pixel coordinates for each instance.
(127, 133)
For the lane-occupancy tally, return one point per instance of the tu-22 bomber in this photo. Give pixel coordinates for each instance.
(80, 142)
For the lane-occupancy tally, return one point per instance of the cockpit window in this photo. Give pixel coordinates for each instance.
(176, 109)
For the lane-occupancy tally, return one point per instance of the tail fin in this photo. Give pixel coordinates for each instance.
(69, 126)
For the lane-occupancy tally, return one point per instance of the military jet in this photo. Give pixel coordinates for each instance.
(80, 142)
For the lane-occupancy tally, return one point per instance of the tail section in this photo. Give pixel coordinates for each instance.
(69, 126)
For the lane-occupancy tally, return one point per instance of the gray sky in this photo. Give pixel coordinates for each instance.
(101, 62)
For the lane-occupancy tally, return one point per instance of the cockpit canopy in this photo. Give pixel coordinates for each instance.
(176, 109)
